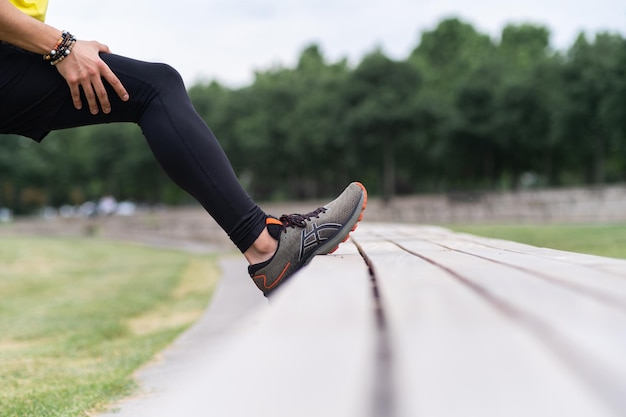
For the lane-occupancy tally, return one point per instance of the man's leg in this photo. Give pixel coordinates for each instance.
(181, 142)
(189, 153)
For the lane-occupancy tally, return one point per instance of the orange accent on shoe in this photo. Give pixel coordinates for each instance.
(271, 220)
(364, 192)
(264, 278)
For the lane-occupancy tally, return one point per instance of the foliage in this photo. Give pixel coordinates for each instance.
(462, 111)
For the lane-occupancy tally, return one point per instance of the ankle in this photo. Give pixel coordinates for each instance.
(263, 248)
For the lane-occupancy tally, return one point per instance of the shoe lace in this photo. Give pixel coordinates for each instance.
(299, 220)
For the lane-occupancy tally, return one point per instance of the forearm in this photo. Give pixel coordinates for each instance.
(21, 30)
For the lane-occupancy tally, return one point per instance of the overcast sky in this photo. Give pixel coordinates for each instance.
(228, 40)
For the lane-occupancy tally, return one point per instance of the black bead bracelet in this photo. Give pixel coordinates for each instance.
(62, 48)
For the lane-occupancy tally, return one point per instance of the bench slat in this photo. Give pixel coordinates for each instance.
(458, 353)
(310, 355)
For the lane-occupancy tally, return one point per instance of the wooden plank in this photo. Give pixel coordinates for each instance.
(594, 275)
(597, 276)
(311, 353)
(472, 337)
(612, 266)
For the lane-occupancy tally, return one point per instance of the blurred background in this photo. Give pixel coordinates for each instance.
(501, 109)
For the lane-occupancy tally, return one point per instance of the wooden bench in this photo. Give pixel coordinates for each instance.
(419, 321)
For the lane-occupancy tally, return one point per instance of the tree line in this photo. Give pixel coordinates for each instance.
(463, 111)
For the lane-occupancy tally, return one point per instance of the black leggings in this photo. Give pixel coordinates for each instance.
(35, 99)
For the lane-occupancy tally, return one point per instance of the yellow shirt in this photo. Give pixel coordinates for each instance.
(34, 8)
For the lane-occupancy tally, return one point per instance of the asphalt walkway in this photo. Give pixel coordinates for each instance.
(174, 375)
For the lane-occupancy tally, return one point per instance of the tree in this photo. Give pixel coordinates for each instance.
(450, 58)
(381, 94)
(446, 55)
(473, 153)
(523, 46)
(523, 107)
(318, 142)
(592, 121)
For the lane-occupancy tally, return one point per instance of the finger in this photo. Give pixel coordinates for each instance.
(75, 92)
(91, 97)
(102, 95)
(116, 84)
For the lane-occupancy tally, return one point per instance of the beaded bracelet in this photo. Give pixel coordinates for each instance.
(59, 46)
(61, 49)
(65, 53)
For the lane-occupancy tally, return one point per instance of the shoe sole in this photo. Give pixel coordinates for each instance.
(344, 234)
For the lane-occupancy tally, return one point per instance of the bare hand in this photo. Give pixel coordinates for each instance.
(83, 68)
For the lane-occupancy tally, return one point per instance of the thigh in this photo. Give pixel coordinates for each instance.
(141, 80)
(35, 99)
(29, 92)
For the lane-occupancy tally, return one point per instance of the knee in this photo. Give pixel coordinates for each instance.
(165, 78)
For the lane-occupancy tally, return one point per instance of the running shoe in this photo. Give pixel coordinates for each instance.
(302, 236)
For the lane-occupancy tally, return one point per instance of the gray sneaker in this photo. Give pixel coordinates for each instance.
(302, 236)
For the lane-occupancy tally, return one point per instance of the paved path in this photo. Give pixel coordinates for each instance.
(168, 382)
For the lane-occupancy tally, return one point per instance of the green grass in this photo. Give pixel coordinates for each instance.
(78, 317)
(597, 239)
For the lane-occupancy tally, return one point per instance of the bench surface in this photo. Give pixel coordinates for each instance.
(418, 321)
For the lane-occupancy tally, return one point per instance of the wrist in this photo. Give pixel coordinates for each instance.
(61, 49)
